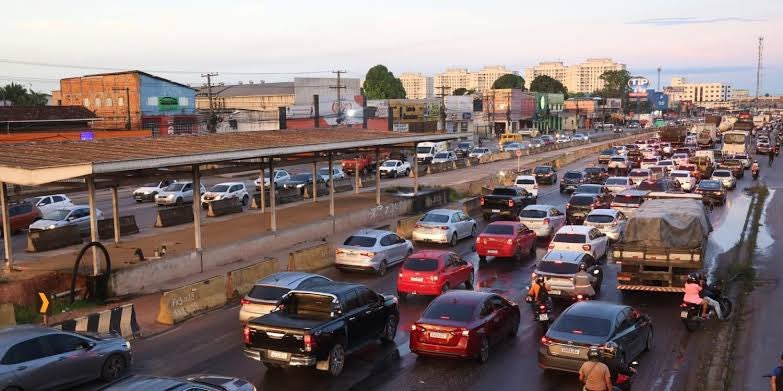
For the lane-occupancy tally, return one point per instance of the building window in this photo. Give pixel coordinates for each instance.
(108, 102)
(152, 101)
(97, 102)
(182, 126)
(183, 101)
(86, 102)
(120, 101)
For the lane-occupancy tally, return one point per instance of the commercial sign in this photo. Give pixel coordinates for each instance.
(381, 107)
(459, 104)
(415, 110)
(349, 111)
(400, 127)
(168, 103)
(638, 86)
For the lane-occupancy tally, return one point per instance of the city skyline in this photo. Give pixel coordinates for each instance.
(702, 41)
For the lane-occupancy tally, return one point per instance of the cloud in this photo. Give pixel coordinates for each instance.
(692, 20)
(699, 70)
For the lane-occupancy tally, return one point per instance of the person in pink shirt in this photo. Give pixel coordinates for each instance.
(693, 295)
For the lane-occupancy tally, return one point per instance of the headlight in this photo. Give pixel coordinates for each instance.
(126, 344)
(170, 196)
(147, 192)
(52, 226)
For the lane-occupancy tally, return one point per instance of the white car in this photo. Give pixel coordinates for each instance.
(280, 176)
(394, 168)
(444, 157)
(78, 215)
(610, 222)
(479, 152)
(177, 193)
(224, 191)
(337, 173)
(544, 220)
(745, 159)
(666, 148)
(588, 240)
(266, 293)
(149, 190)
(49, 203)
(648, 162)
(616, 184)
(680, 158)
(669, 165)
(621, 150)
(580, 137)
(686, 179)
(618, 161)
(725, 177)
(562, 139)
(372, 250)
(638, 175)
(444, 226)
(527, 182)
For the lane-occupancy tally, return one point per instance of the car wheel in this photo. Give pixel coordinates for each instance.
(648, 342)
(180, 201)
(483, 355)
(444, 288)
(245, 199)
(113, 367)
(482, 259)
(394, 174)
(382, 268)
(469, 281)
(336, 360)
(407, 172)
(402, 296)
(453, 241)
(473, 231)
(514, 330)
(561, 190)
(390, 329)
(139, 201)
(517, 255)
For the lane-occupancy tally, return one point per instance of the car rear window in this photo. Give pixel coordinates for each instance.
(627, 199)
(680, 175)
(573, 175)
(504, 192)
(569, 238)
(557, 267)
(608, 152)
(617, 181)
(449, 310)
(421, 264)
(593, 170)
(526, 182)
(582, 325)
(710, 185)
(267, 292)
(618, 159)
(499, 229)
(542, 170)
(533, 214)
(309, 306)
(651, 186)
(721, 174)
(600, 219)
(435, 218)
(581, 200)
(360, 241)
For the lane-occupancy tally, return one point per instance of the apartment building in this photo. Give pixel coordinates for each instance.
(486, 77)
(680, 90)
(481, 80)
(417, 86)
(584, 77)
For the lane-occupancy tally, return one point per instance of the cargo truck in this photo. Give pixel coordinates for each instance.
(674, 135)
(664, 241)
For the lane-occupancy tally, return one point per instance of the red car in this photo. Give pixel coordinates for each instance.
(464, 324)
(20, 216)
(433, 272)
(506, 239)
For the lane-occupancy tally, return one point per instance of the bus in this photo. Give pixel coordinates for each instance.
(736, 142)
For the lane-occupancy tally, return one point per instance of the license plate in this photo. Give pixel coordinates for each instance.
(495, 210)
(277, 355)
(684, 314)
(434, 334)
(543, 316)
(555, 292)
(492, 251)
(417, 279)
(573, 351)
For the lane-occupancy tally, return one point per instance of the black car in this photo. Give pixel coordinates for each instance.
(635, 158)
(621, 331)
(599, 190)
(596, 175)
(463, 149)
(571, 180)
(580, 205)
(711, 191)
(505, 201)
(661, 185)
(300, 181)
(320, 326)
(545, 174)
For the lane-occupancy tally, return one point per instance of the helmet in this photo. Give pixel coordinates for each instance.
(540, 279)
(610, 348)
(582, 266)
(693, 277)
(594, 353)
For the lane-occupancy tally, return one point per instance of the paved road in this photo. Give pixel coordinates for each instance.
(212, 342)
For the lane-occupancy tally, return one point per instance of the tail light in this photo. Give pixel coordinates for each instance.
(434, 278)
(413, 327)
(399, 275)
(419, 225)
(614, 223)
(568, 205)
(466, 333)
(509, 242)
(481, 200)
(622, 379)
(511, 203)
(586, 247)
(246, 335)
(309, 343)
(339, 251)
(551, 246)
(546, 221)
(478, 240)
(443, 227)
(366, 254)
(245, 301)
(543, 307)
(546, 341)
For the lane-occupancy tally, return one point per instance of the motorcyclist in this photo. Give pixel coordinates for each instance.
(616, 367)
(755, 166)
(593, 373)
(583, 282)
(537, 292)
(695, 294)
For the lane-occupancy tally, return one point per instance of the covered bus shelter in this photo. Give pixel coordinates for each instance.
(44, 168)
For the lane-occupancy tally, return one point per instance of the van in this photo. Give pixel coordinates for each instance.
(427, 150)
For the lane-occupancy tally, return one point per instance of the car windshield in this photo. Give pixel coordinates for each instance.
(449, 310)
(390, 163)
(542, 170)
(435, 218)
(302, 177)
(617, 181)
(267, 292)
(512, 145)
(710, 185)
(533, 214)
(582, 325)
(174, 187)
(526, 182)
(535, 140)
(608, 152)
(627, 199)
(588, 189)
(56, 215)
(150, 185)
(480, 150)
(721, 174)
(569, 238)
(573, 175)
(442, 155)
(499, 229)
(651, 186)
(680, 174)
(734, 138)
(504, 192)
(421, 264)
(424, 150)
(219, 188)
(359, 241)
(557, 267)
(599, 218)
(463, 145)
(323, 171)
(581, 200)
(593, 170)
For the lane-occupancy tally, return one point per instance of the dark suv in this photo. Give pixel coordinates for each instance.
(571, 180)
(661, 185)
(596, 175)
(545, 174)
(581, 204)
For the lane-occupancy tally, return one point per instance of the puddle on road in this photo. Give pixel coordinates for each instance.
(764, 239)
(727, 229)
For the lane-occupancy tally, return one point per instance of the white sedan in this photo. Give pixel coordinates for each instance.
(616, 184)
(686, 179)
(479, 152)
(588, 240)
(444, 226)
(224, 191)
(527, 182)
(618, 162)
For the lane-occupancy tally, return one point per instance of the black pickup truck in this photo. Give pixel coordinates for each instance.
(320, 326)
(505, 201)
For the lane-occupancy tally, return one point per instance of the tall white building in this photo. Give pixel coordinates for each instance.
(681, 90)
(417, 86)
(487, 76)
(481, 80)
(584, 77)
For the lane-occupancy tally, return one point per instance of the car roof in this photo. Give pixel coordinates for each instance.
(680, 172)
(634, 192)
(575, 229)
(564, 256)
(147, 382)
(590, 185)
(12, 335)
(721, 170)
(442, 211)
(617, 177)
(334, 287)
(539, 207)
(435, 254)
(526, 177)
(464, 296)
(595, 309)
(285, 279)
(229, 183)
(504, 222)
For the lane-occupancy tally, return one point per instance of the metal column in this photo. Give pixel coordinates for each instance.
(272, 185)
(9, 255)
(197, 206)
(263, 187)
(331, 186)
(93, 222)
(315, 182)
(415, 170)
(115, 211)
(356, 172)
(377, 176)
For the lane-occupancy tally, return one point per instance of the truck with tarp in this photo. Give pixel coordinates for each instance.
(663, 242)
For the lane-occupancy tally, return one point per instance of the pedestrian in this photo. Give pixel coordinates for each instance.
(594, 374)
(771, 155)
(776, 381)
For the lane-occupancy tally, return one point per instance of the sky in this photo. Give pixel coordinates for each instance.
(702, 40)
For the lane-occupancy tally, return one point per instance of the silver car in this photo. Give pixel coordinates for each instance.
(444, 226)
(544, 220)
(266, 292)
(177, 193)
(610, 222)
(191, 383)
(42, 358)
(78, 215)
(373, 250)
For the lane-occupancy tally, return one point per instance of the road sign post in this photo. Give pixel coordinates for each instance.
(43, 305)
(519, 155)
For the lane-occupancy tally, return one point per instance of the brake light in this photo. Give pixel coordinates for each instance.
(368, 255)
(245, 301)
(551, 246)
(434, 278)
(443, 227)
(622, 379)
(478, 240)
(568, 205)
(466, 333)
(586, 247)
(309, 343)
(399, 275)
(510, 203)
(509, 241)
(246, 335)
(543, 307)
(419, 225)
(614, 223)
(546, 341)
(481, 200)
(413, 327)
(546, 221)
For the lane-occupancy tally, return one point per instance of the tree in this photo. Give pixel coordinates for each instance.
(509, 80)
(544, 83)
(19, 96)
(460, 91)
(615, 84)
(380, 83)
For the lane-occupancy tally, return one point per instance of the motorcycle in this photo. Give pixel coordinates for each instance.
(542, 312)
(691, 313)
(755, 174)
(624, 379)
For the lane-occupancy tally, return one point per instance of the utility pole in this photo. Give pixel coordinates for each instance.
(210, 125)
(442, 94)
(659, 79)
(758, 72)
(127, 105)
(339, 87)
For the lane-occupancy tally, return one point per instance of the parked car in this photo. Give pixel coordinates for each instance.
(432, 273)
(506, 202)
(190, 383)
(20, 216)
(444, 157)
(638, 175)
(725, 177)
(337, 173)
(544, 220)
(588, 240)
(571, 180)
(479, 152)
(395, 168)
(595, 323)
(444, 226)
(580, 204)
(148, 191)
(712, 191)
(30, 354)
(610, 222)
(366, 164)
(558, 269)
(266, 293)
(527, 182)
(280, 177)
(617, 184)
(301, 180)
(545, 174)
(507, 239)
(464, 324)
(78, 215)
(464, 149)
(177, 193)
(225, 191)
(49, 203)
(374, 250)
(605, 155)
(628, 201)
(685, 178)
(596, 175)
(320, 326)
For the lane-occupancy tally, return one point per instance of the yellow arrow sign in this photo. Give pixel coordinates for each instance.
(44, 303)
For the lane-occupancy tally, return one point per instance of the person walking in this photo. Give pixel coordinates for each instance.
(771, 155)
(776, 380)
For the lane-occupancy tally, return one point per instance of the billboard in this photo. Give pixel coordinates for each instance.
(344, 112)
(415, 110)
(638, 86)
(458, 104)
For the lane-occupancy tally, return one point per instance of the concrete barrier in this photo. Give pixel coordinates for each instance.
(436, 168)
(282, 196)
(472, 206)
(422, 169)
(485, 159)
(473, 161)
(346, 184)
(7, 315)
(176, 215)
(321, 188)
(240, 281)
(127, 227)
(428, 199)
(51, 239)
(224, 207)
(405, 225)
(184, 302)
(121, 320)
(461, 163)
(311, 258)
